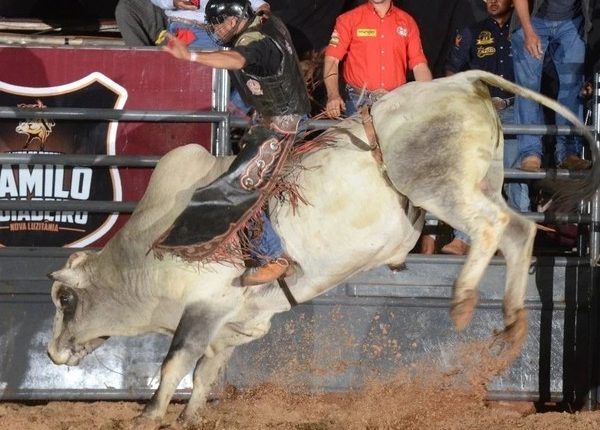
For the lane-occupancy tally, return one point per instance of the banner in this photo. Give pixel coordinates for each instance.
(54, 182)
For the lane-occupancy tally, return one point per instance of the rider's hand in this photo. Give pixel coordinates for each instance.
(335, 106)
(176, 48)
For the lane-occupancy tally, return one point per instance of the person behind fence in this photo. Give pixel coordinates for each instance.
(380, 43)
(555, 28)
(486, 46)
(267, 73)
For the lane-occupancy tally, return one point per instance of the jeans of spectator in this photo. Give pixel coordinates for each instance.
(563, 42)
(517, 194)
(357, 98)
(267, 245)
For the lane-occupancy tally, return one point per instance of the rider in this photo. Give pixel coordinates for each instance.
(265, 70)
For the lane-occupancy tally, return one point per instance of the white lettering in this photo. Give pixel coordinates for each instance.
(30, 181)
(81, 183)
(8, 186)
(59, 179)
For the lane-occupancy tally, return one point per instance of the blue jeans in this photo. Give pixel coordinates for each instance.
(354, 101)
(563, 42)
(517, 194)
(267, 245)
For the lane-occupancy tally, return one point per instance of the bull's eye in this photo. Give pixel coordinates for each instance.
(65, 298)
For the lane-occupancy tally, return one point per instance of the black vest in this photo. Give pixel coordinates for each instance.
(283, 92)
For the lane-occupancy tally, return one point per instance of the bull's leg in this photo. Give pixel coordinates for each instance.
(486, 233)
(517, 246)
(472, 212)
(206, 373)
(193, 334)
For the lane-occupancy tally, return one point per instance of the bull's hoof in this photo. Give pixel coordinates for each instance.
(462, 312)
(142, 422)
(509, 342)
(397, 267)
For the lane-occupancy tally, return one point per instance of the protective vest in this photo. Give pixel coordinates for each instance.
(283, 92)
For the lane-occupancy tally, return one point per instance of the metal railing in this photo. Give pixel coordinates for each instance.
(221, 146)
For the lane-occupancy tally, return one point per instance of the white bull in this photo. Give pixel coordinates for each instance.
(442, 145)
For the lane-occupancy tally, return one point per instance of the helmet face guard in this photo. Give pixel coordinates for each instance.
(216, 14)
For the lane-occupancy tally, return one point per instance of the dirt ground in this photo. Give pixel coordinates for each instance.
(422, 397)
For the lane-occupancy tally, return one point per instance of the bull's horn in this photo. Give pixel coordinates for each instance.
(65, 276)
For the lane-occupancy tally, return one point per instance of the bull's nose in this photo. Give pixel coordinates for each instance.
(57, 357)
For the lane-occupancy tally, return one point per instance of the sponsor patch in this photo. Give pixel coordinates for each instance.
(402, 31)
(335, 38)
(457, 41)
(366, 32)
(485, 51)
(484, 38)
(254, 87)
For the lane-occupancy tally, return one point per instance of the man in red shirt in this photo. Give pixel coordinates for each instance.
(380, 42)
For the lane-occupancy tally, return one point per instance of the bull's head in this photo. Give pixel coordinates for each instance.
(74, 334)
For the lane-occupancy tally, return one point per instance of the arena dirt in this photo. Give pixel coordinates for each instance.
(424, 396)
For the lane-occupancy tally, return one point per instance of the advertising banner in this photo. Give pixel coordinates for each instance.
(48, 182)
(116, 78)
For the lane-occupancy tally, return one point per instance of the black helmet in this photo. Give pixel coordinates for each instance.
(217, 11)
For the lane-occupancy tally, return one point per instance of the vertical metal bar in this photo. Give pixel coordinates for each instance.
(595, 202)
(221, 144)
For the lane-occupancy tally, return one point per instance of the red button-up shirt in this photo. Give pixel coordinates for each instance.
(379, 50)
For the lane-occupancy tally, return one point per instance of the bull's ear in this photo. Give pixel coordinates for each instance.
(76, 259)
(66, 276)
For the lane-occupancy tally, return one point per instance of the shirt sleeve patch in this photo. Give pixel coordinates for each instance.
(335, 38)
(457, 40)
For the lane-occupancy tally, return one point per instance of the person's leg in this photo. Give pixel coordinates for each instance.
(517, 194)
(184, 32)
(139, 22)
(351, 100)
(268, 253)
(266, 246)
(458, 246)
(568, 58)
(528, 73)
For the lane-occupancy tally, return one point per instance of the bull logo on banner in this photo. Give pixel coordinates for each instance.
(35, 128)
(56, 182)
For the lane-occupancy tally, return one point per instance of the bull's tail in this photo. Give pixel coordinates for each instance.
(578, 189)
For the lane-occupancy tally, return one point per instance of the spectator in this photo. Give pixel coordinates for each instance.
(381, 43)
(266, 72)
(554, 28)
(185, 19)
(486, 46)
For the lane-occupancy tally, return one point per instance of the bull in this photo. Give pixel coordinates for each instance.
(442, 146)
